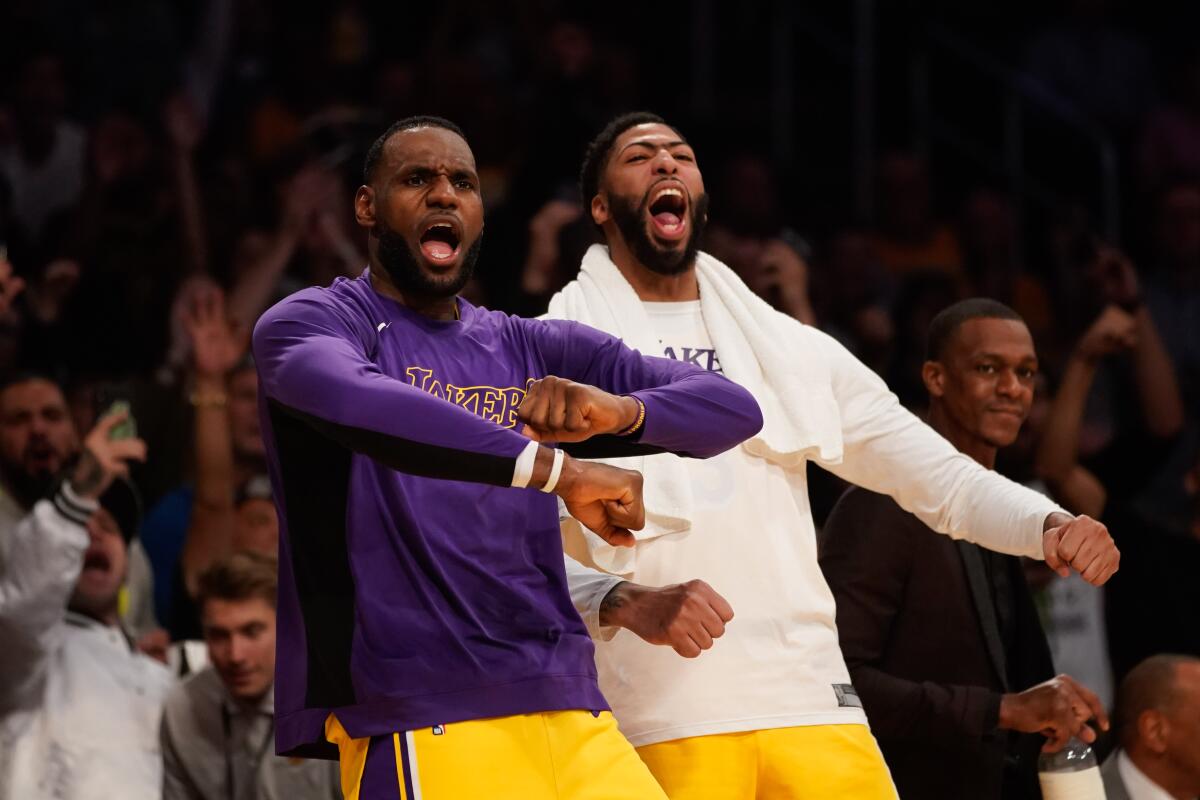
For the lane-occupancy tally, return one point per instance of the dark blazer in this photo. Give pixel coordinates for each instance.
(918, 626)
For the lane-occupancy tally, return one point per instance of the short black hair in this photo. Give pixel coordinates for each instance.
(596, 155)
(375, 151)
(1150, 686)
(11, 379)
(950, 319)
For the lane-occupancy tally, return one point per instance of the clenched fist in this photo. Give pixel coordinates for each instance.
(686, 616)
(559, 410)
(606, 499)
(1081, 543)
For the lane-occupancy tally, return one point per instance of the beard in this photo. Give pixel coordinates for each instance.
(26, 487)
(404, 267)
(631, 222)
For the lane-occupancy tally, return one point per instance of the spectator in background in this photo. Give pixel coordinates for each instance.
(224, 510)
(1158, 725)
(747, 233)
(909, 237)
(856, 294)
(1172, 290)
(1170, 143)
(940, 636)
(1159, 566)
(38, 440)
(1104, 470)
(45, 162)
(218, 728)
(79, 706)
(990, 235)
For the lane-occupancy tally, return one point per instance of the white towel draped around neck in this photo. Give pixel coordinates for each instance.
(763, 350)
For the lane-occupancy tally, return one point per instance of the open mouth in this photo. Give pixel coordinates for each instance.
(96, 561)
(440, 241)
(668, 210)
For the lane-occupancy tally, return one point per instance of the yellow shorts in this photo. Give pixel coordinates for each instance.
(817, 762)
(557, 755)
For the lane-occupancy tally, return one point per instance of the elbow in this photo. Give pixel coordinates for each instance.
(747, 416)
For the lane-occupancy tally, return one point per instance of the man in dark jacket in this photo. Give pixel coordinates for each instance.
(940, 636)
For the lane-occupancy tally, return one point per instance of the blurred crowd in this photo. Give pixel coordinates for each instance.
(169, 170)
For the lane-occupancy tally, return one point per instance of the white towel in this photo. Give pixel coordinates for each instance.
(760, 348)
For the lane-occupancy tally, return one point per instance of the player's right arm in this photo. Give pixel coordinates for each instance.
(313, 365)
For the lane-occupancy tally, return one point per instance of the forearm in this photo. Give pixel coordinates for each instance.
(700, 415)
(213, 443)
(947, 490)
(209, 538)
(190, 210)
(1058, 450)
(43, 560)
(689, 411)
(1157, 384)
(324, 381)
(592, 593)
(251, 294)
(924, 711)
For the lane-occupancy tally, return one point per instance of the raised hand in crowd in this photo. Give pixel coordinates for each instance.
(104, 459)
(541, 263)
(217, 345)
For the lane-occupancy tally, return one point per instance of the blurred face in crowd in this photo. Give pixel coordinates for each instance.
(243, 414)
(424, 212)
(241, 644)
(904, 195)
(104, 566)
(37, 437)
(652, 197)
(256, 527)
(1179, 227)
(984, 380)
(41, 94)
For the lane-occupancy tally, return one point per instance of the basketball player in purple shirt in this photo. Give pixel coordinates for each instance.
(426, 636)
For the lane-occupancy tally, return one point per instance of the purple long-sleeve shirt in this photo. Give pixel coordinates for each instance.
(416, 587)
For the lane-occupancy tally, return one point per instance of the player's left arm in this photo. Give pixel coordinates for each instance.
(889, 450)
(622, 403)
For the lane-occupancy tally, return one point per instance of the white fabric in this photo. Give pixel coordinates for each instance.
(40, 190)
(1139, 786)
(799, 413)
(747, 527)
(523, 469)
(79, 708)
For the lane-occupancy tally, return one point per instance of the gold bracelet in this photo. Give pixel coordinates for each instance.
(636, 426)
(209, 400)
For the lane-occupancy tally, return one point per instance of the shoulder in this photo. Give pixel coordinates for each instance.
(862, 515)
(341, 308)
(194, 697)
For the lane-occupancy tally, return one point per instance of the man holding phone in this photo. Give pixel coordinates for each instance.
(79, 705)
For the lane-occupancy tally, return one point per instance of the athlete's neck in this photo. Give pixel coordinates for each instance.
(964, 440)
(440, 307)
(652, 286)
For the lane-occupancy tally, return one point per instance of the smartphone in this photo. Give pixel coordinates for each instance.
(112, 399)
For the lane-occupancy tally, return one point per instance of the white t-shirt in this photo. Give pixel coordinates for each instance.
(753, 541)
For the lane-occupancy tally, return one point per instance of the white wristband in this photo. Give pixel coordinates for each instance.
(523, 469)
(555, 471)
